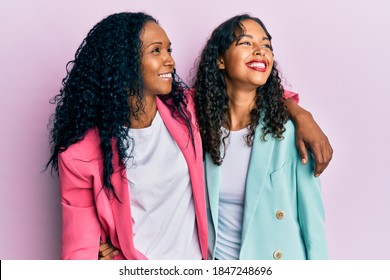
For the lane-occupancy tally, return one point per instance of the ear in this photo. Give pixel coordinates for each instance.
(221, 63)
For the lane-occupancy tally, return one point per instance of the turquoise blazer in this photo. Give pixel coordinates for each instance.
(283, 210)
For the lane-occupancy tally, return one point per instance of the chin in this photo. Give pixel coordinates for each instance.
(165, 92)
(260, 84)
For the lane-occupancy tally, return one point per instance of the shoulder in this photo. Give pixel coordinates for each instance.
(283, 148)
(190, 94)
(290, 130)
(288, 134)
(87, 149)
(287, 143)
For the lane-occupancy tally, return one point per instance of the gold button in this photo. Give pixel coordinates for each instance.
(279, 215)
(277, 255)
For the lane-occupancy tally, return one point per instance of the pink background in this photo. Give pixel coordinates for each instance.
(335, 53)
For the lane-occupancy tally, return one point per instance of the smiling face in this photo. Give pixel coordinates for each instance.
(248, 62)
(157, 63)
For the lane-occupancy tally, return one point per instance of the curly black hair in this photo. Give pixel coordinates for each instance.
(104, 74)
(212, 101)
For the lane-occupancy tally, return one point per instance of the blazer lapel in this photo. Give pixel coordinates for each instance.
(174, 127)
(212, 185)
(261, 156)
(194, 161)
(122, 215)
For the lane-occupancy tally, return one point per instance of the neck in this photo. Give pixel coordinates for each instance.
(145, 118)
(241, 102)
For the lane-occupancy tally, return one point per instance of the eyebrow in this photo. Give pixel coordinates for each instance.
(157, 43)
(250, 36)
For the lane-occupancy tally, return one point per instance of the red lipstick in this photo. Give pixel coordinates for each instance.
(257, 65)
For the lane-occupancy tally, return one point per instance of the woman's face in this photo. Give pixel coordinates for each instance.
(157, 62)
(247, 64)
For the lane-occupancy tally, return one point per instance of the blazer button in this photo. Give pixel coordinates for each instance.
(279, 215)
(277, 255)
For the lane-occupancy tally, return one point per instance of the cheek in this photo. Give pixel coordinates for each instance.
(149, 70)
(271, 60)
(150, 64)
(146, 66)
(235, 65)
(145, 74)
(270, 65)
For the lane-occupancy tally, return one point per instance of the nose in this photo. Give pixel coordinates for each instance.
(169, 61)
(259, 51)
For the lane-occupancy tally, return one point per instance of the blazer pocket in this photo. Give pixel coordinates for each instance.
(280, 178)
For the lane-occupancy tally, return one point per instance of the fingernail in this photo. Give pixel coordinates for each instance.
(316, 175)
(303, 161)
(116, 252)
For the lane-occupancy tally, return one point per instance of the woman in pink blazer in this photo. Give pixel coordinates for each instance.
(127, 148)
(121, 80)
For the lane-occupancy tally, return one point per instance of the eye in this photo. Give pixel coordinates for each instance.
(156, 50)
(268, 46)
(245, 43)
(170, 50)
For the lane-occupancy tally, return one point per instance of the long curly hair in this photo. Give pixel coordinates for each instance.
(104, 74)
(212, 101)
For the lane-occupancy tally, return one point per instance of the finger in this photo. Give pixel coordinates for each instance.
(115, 253)
(302, 151)
(327, 154)
(320, 165)
(109, 256)
(105, 258)
(321, 168)
(107, 251)
(103, 247)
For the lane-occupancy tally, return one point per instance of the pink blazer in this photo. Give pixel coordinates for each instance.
(89, 215)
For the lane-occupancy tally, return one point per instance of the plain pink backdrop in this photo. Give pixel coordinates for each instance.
(335, 53)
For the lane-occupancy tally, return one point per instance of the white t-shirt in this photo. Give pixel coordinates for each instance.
(233, 173)
(161, 200)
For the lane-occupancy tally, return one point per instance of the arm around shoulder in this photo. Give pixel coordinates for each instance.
(309, 134)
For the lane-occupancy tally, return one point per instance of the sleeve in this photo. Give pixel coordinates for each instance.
(311, 214)
(80, 225)
(289, 94)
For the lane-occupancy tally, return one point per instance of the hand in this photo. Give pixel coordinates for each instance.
(309, 134)
(107, 251)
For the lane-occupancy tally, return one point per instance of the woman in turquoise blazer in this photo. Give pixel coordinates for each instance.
(283, 212)
(239, 89)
